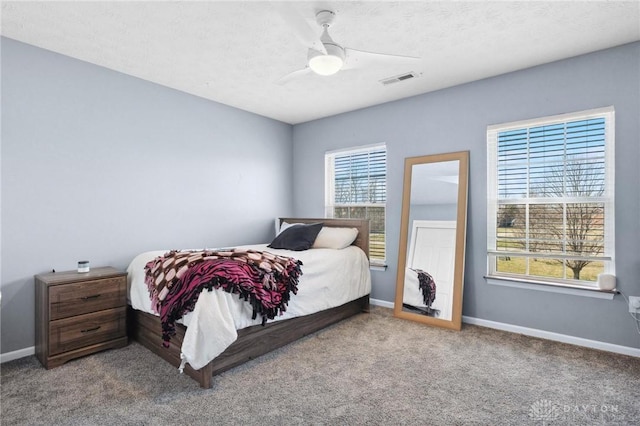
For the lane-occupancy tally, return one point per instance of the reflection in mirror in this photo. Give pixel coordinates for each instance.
(431, 255)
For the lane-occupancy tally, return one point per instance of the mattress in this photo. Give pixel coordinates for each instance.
(329, 278)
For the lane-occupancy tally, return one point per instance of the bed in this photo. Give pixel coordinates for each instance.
(306, 312)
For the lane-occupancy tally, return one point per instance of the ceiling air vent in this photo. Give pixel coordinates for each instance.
(398, 78)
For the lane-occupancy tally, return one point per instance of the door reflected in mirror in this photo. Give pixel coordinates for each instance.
(431, 252)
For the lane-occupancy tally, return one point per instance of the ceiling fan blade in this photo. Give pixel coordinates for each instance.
(307, 35)
(293, 76)
(361, 59)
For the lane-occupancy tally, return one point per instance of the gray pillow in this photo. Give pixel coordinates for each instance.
(297, 237)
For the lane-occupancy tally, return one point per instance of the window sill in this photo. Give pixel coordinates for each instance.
(542, 286)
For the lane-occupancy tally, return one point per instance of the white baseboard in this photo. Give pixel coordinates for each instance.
(21, 353)
(382, 303)
(564, 338)
(578, 341)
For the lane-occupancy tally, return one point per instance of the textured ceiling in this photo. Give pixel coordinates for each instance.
(235, 52)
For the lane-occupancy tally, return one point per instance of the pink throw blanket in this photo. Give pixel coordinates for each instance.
(263, 279)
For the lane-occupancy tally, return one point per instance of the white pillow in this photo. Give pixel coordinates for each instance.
(335, 238)
(284, 226)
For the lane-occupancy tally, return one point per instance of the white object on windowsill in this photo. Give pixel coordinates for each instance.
(606, 281)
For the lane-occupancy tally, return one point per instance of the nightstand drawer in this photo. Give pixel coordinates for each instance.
(84, 330)
(89, 296)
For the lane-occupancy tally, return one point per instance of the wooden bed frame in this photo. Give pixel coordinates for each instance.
(256, 340)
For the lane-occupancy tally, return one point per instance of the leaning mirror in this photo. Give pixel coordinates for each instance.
(432, 239)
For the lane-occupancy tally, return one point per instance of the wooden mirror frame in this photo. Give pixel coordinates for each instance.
(461, 230)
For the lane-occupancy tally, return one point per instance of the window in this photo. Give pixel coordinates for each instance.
(356, 187)
(551, 198)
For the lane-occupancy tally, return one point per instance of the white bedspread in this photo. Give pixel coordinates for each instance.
(329, 278)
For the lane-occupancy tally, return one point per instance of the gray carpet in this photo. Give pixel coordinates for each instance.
(370, 369)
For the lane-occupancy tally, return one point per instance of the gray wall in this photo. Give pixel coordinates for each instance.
(456, 119)
(101, 166)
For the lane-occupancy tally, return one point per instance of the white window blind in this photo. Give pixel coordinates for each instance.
(551, 198)
(356, 187)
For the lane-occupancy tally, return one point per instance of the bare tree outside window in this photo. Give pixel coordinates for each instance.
(575, 229)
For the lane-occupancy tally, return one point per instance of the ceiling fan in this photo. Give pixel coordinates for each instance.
(326, 57)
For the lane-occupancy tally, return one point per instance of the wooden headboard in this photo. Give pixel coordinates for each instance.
(362, 240)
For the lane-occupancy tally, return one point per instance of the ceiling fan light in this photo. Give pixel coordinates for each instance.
(325, 64)
(329, 63)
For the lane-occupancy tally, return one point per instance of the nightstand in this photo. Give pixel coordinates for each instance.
(79, 314)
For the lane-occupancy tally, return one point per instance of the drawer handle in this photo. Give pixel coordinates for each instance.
(88, 330)
(95, 296)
